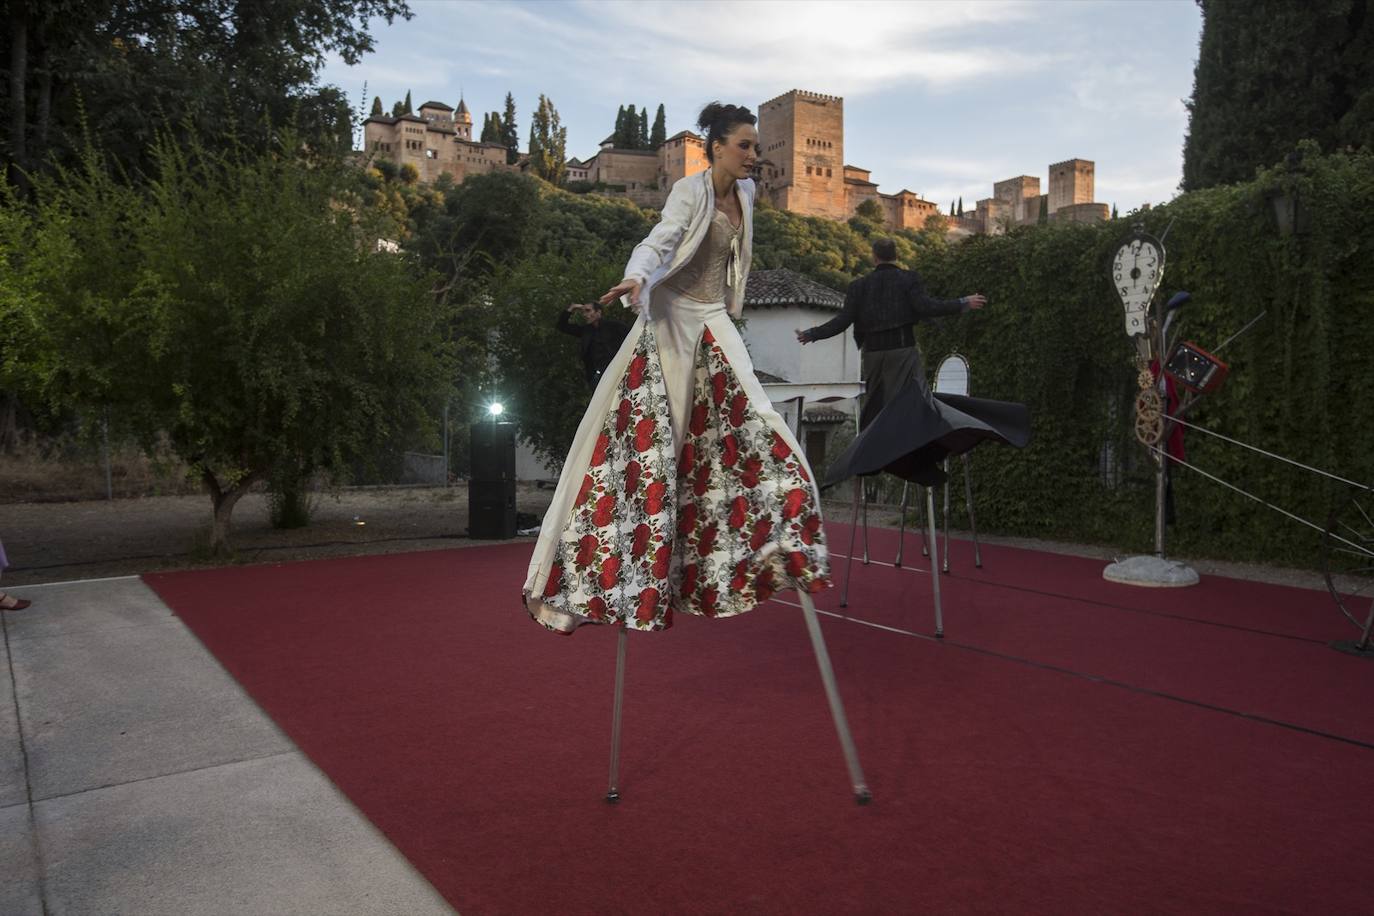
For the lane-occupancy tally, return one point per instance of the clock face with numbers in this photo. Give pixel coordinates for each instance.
(1137, 270)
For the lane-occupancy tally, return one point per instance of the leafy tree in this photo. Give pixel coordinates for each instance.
(871, 210)
(526, 300)
(409, 173)
(377, 110)
(118, 72)
(398, 108)
(236, 303)
(510, 133)
(659, 134)
(1271, 73)
(548, 143)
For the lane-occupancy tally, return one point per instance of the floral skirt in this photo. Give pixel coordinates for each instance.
(683, 491)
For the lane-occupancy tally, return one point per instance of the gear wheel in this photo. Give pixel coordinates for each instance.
(1149, 417)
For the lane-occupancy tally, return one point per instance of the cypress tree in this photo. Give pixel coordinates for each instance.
(659, 134)
(961, 205)
(1114, 211)
(1273, 72)
(377, 110)
(1044, 209)
(644, 128)
(407, 109)
(618, 137)
(510, 134)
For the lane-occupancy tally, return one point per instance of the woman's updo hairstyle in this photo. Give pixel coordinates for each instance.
(718, 120)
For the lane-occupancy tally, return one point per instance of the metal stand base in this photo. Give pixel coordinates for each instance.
(1351, 647)
(1151, 572)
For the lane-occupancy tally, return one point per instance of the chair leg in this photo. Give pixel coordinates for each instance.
(945, 561)
(832, 693)
(853, 534)
(901, 531)
(968, 501)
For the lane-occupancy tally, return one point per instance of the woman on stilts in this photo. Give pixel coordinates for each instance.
(684, 490)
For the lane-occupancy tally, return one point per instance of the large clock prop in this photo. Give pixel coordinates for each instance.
(1162, 360)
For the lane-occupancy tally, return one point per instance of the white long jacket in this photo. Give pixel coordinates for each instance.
(685, 222)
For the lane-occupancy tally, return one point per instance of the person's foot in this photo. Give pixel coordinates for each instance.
(11, 603)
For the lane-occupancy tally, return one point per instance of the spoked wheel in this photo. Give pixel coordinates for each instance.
(1348, 558)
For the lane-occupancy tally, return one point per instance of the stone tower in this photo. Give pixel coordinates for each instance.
(802, 135)
(1071, 182)
(462, 121)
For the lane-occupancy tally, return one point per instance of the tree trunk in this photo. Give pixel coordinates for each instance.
(44, 113)
(224, 501)
(19, 54)
(9, 421)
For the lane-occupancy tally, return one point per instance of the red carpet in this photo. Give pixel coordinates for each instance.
(1176, 763)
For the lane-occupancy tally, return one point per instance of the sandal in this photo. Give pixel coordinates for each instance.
(11, 603)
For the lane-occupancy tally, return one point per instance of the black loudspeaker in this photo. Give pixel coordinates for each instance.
(491, 509)
(493, 451)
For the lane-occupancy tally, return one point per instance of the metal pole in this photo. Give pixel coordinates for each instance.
(945, 565)
(1363, 645)
(901, 531)
(853, 533)
(613, 793)
(934, 566)
(832, 693)
(864, 489)
(968, 501)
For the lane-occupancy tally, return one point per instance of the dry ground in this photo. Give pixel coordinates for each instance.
(58, 541)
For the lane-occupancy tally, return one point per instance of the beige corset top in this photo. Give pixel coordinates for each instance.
(703, 278)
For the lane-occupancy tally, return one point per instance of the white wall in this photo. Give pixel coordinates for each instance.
(770, 333)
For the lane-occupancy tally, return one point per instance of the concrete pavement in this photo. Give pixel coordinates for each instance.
(136, 777)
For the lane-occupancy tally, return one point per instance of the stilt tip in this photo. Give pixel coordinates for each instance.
(862, 796)
(939, 634)
(612, 797)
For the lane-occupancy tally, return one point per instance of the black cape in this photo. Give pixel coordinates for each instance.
(916, 431)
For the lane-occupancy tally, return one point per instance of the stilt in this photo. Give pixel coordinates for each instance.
(613, 793)
(851, 755)
(968, 500)
(934, 565)
(945, 562)
(901, 531)
(853, 533)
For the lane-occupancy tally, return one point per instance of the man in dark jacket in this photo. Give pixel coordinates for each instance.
(883, 306)
(598, 338)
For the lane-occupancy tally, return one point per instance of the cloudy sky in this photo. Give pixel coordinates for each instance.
(939, 98)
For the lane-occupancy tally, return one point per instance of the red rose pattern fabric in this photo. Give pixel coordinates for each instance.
(613, 558)
(714, 531)
(748, 521)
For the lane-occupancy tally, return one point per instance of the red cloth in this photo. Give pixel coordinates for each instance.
(1173, 444)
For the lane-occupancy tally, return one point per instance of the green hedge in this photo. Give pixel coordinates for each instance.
(1301, 384)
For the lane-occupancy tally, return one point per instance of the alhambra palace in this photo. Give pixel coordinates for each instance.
(802, 168)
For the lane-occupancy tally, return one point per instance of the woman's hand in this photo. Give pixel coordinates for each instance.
(624, 287)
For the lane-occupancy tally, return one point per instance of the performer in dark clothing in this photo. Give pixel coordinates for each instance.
(882, 306)
(904, 429)
(598, 338)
